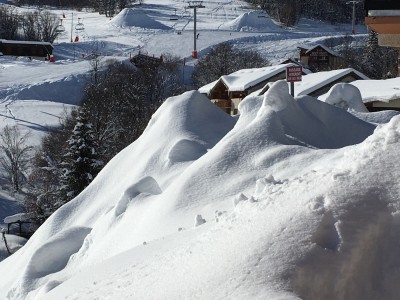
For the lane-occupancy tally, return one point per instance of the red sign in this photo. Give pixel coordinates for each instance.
(294, 73)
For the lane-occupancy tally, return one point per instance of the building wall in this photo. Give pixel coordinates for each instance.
(395, 104)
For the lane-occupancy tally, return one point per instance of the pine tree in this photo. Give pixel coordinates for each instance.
(379, 62)
(81, 163)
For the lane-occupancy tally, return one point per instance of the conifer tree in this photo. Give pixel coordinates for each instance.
(379, 62)
(81, 163)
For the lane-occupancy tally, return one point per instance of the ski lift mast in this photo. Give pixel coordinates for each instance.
(353, 18)
(195, 5)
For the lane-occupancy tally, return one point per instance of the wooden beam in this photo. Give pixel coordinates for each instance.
(384, 24)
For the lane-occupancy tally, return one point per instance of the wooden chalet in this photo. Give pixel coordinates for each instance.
(32, 49)
(229, 90)
(142, 60)
(319, 58)
(383, 16)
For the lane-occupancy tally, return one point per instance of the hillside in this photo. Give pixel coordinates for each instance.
(293, 199)
(279, 198)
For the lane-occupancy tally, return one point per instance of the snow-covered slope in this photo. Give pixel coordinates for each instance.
(287, 214)
(252, 21)
(129, 17)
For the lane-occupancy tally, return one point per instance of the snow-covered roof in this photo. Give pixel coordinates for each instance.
(315, 81)
(378, 90)
(25, 42)
(17, 217)
(206, 89)
(244, 79)
(383, 13)
(310, 49)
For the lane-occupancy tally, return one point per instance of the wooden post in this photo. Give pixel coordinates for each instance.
(292, 88)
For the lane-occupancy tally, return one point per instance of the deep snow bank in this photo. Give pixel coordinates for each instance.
(278, 208)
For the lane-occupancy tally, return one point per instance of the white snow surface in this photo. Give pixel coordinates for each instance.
(246, 78)
(346, 96)
(378, 90)
(253, 21)
(300, 198)
(14, 243)
(17, 217)
(129, 17)
(314, 81)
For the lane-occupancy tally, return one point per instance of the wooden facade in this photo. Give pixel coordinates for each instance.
(383, 16)
(320, 58)
(32, 49)
(379, 19)
(380, 105)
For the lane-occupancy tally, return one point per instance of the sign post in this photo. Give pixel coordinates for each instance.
(293, 74)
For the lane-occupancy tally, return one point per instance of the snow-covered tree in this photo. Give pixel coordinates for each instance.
(379, 62)
(14, 155)
(223, 60)
(42, 197)
(81, 163)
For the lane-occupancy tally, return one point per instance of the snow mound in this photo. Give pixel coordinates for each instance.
(129, 17)
(297, 209)
(186, 150)
(50, 257)
(377, 117)
(346, 96)
(252, 21)
(53, 255)
(147, 185)
(67, 90)
(314, 123)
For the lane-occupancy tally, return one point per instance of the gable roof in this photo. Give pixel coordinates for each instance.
(310, 49)
(247, 78)
(312, 82)
(206, 89)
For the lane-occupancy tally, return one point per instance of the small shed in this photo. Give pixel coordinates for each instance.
(229, 90)
(320, 58)
(18, 220)
(142, 60)
(32, 49)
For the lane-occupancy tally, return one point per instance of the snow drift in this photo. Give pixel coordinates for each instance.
(252, 21)
(298, 198)
(130, 17)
